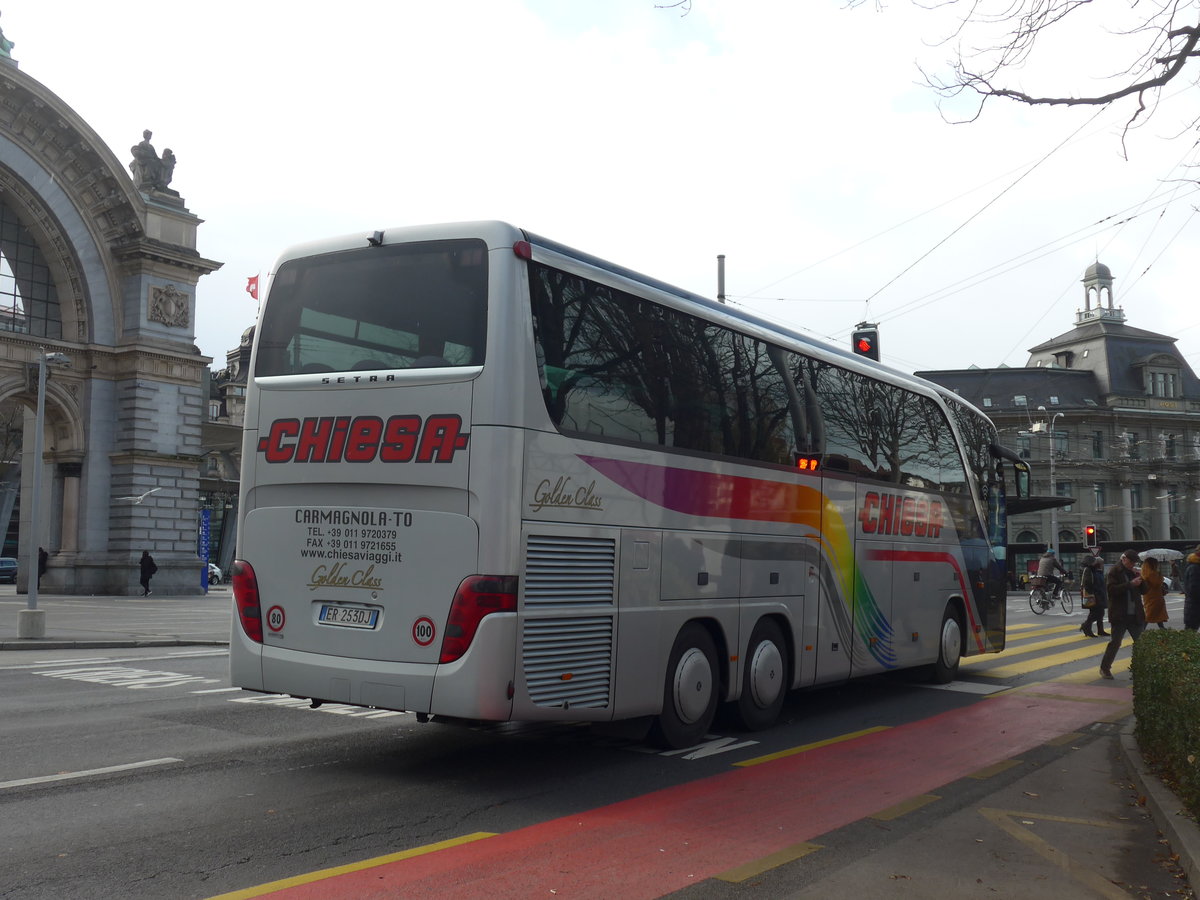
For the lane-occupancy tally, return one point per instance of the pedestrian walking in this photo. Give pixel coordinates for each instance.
(1125, 610)
(1092, 583)
(43, 560)
(148, 568)
(1191, 591)
(1154, 599)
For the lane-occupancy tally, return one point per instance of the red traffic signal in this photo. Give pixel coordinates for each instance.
(865, 340)
(1089, 536)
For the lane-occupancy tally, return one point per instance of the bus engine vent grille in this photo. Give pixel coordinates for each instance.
(563, 571)
(568, 662)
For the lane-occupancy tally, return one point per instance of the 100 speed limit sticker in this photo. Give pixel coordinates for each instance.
(423, 631)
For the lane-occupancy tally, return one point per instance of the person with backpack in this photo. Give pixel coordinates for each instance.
(147, 569)
(1092, 584)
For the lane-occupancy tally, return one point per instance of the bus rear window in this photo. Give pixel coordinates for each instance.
(393, 307)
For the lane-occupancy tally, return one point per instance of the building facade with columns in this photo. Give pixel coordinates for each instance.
(1109, 416)
(99, 263)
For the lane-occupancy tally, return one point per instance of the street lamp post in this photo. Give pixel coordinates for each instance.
(32, 622)
(1053, 485)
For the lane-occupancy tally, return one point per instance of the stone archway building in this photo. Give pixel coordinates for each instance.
(104, 271)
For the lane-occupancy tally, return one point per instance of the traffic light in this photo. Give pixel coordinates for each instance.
(865, 340)
(1089, 536)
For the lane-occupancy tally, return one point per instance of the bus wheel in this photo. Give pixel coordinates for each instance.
(764, 681)
(690, 690)
(949, 647)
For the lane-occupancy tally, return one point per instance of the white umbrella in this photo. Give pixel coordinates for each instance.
(1162, 554)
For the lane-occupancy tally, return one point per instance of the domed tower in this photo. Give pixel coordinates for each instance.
(1098, 296)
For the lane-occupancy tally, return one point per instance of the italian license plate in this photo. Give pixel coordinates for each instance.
(348, 616)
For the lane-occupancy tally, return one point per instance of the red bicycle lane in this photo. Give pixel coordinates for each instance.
(660, 842)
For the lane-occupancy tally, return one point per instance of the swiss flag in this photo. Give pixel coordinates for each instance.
(252, 286)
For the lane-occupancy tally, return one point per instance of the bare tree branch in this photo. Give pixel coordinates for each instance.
(1163, 45)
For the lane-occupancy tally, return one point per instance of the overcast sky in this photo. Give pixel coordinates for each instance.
(793, 137)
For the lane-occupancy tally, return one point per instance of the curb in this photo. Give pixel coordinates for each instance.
(52, 644)
(1168, 813)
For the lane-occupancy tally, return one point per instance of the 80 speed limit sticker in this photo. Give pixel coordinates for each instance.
(423, 631)
(275, 618)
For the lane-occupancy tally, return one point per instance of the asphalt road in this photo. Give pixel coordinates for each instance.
(139, 773)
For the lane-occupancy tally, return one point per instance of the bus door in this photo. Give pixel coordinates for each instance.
(831, 618)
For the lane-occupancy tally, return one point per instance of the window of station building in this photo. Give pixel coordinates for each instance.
(1024, 446)
(987, 402)
(1097, 445)
(1135, 496)
(1169, 448)
(1020, 400)
(1060, 443)
(28, 297)
(1064, 489)
(1163, 383)
(1054, 401)
(1099, 495)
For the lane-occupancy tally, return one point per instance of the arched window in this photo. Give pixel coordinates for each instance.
(28, 297)
(1139, 533)
(1027, 537)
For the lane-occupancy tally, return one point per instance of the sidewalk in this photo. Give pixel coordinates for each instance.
(81, 623)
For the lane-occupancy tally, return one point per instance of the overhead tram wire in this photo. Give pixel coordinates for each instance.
(1114, 220)
(1074, 136)
(1025, 258)
(977, 213)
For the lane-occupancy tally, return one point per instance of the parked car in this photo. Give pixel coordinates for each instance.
(214, 573)
(8, 569)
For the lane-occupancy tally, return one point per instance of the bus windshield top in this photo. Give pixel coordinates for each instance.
(391, 307)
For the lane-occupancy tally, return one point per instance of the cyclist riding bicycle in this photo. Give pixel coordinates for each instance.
(1047, 566)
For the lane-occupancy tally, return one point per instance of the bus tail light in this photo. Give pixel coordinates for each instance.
(476, 597)
(245, 596)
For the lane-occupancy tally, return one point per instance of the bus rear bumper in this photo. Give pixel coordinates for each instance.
(478, 686)
(358, 682)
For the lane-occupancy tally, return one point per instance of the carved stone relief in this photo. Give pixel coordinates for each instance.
(168, 305)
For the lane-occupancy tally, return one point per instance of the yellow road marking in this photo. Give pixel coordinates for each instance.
(805, 748)
(1081, 872)
(1048, 629)
(1010, 650)
(1089, 651)
(758, 866)
(995, 769)
(904, 807)
(1063, 739)
(1119, 667)
(321, 874)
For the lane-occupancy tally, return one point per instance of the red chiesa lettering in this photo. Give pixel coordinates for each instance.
(883, 513)
(364, 439)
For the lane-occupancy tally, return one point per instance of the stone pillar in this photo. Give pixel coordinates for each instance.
(1125, 515)
(68, 538)
(1163, 511)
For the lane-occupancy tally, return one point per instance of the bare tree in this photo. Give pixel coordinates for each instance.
(1161, 46)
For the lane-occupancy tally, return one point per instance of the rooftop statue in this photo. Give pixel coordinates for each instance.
(5, 46)
(149, 172)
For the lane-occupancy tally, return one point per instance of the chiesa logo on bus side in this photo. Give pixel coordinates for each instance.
(884, 513)
(562, 494)
(335, 439)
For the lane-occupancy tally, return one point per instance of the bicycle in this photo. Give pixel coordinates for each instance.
(1040, 601)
